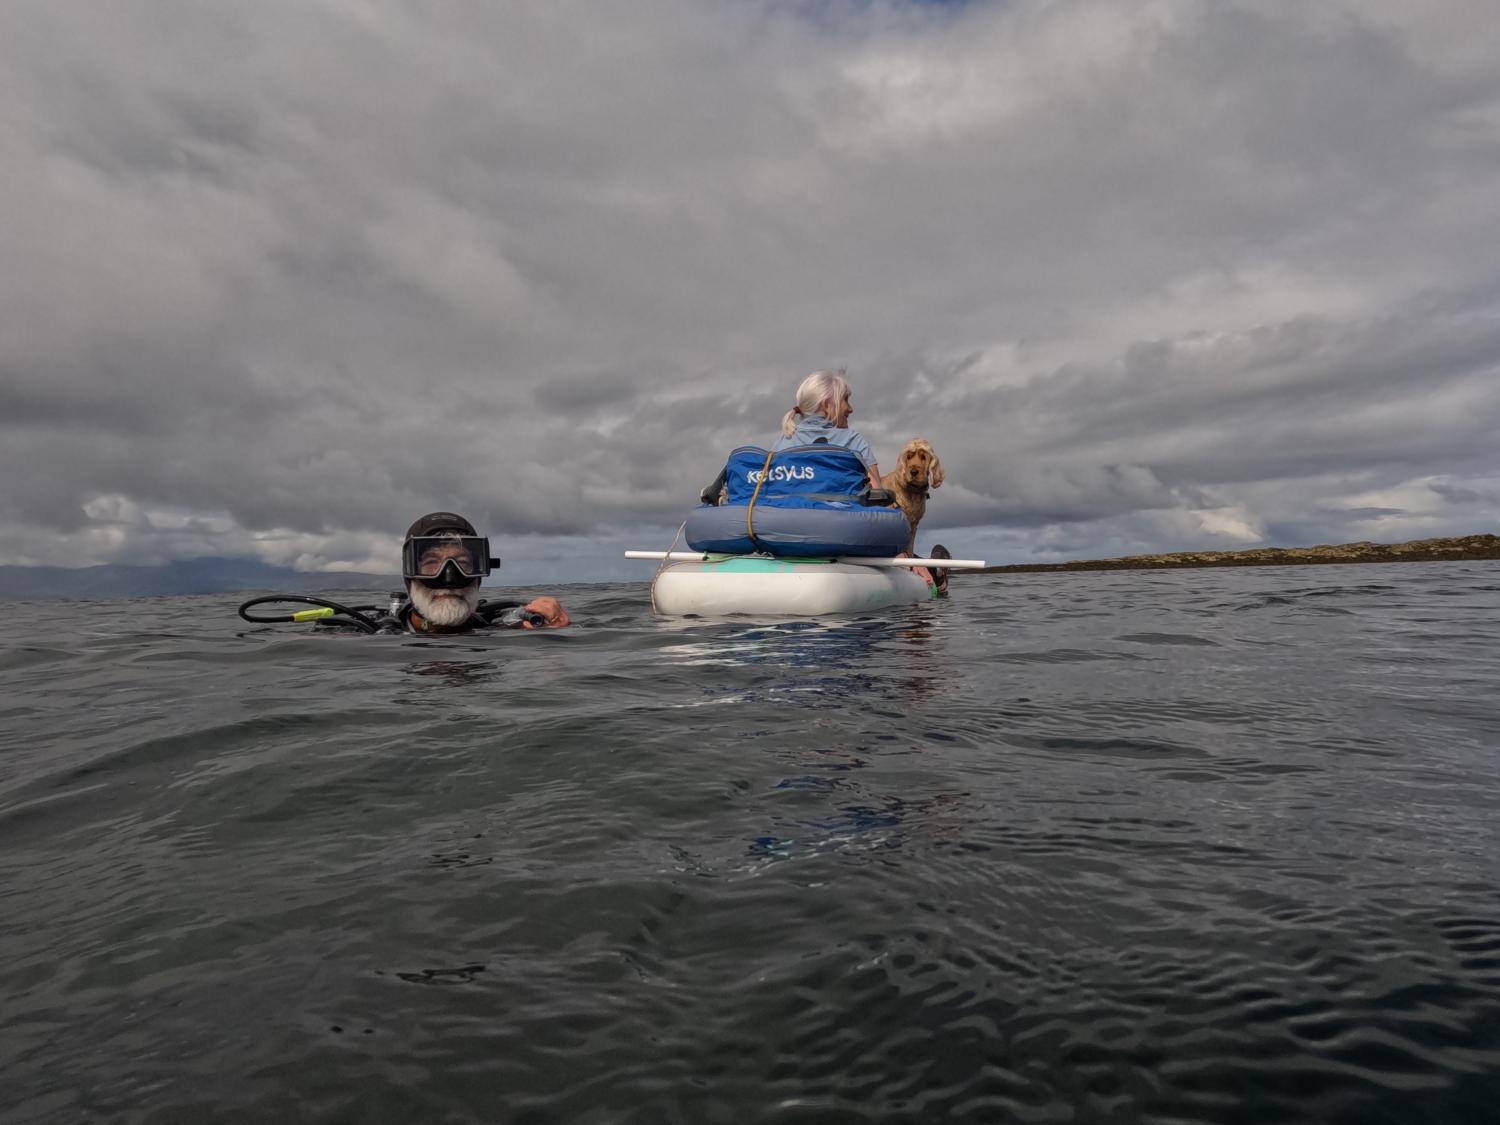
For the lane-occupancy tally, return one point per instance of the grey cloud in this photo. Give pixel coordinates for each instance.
(1367, 513)
(1456, 494)
(1273, 402)
(313, 268)
(588, 393)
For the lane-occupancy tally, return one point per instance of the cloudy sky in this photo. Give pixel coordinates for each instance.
(277, 277)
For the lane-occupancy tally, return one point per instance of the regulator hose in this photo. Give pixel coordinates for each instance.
(325, 608)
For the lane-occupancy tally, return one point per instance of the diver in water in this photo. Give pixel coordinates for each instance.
(443, 560)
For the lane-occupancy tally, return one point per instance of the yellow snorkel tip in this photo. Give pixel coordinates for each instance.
(312, 614)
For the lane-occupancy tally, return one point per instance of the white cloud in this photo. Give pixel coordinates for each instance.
(1232, 523)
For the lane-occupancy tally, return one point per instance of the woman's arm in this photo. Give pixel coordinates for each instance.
(857, 442)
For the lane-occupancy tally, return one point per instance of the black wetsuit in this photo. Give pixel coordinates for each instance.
(486, 616)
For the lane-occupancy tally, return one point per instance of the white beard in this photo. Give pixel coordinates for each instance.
(445, 608)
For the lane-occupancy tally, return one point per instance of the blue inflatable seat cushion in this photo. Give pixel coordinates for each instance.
(802, 476)
(802, 532)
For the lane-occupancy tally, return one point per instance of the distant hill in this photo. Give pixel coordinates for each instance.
(1460, 548)
(193, 576)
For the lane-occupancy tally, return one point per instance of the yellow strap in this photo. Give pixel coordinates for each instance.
(313, 614)
(750, 511)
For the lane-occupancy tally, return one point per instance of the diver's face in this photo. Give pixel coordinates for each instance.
(434, 557)
(444, 608)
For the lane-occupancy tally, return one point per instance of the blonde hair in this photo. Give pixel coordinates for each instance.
(815, 390)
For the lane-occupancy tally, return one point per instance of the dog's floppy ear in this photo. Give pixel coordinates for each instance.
(934, 470)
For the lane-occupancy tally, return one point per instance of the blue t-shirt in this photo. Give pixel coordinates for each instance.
(814, 428)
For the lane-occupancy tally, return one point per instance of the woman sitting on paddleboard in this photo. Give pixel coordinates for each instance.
(818, 504)
(821, 417)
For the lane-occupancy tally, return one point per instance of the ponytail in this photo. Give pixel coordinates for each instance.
(815, 390)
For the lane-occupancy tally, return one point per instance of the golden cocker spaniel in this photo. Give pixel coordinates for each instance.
(918, 472)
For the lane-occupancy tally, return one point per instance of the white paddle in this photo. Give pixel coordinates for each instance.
(854, 560)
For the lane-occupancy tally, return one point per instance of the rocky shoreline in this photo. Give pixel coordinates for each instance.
(1460, 548)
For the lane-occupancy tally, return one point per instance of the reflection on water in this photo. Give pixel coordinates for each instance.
(853, 819)
(900, 655)
(458, 673)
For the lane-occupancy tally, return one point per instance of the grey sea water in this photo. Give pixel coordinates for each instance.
(1195, 846)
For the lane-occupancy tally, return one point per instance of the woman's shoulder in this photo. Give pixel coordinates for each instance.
(856, 443)
(852, 440)
(851, 437)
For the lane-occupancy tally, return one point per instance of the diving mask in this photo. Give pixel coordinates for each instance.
(446, 561)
